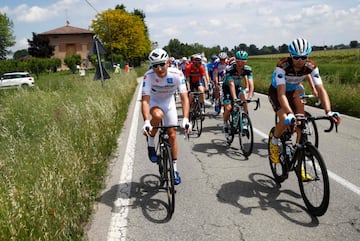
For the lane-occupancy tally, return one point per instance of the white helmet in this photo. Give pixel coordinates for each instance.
(158, 56)
(299, 47)
(223, 55)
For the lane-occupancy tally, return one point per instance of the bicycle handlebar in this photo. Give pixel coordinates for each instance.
(332, 123)
(329, 118)
(241, 102)
(318, 103)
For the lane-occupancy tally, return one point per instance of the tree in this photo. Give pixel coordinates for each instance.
(72, 61)
(19, 54)
(354, 44)
(39, 46)
(125, 33)
(7, 38)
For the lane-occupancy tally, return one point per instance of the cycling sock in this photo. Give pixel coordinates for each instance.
(175, 166)
(151, 141)
(274, 140)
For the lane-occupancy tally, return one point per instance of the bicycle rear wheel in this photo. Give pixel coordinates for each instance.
(279, 170)
(197, 119)
(169, 178)
(313, 181)
(246, 137)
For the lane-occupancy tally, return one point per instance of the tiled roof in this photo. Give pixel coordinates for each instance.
(67, 30)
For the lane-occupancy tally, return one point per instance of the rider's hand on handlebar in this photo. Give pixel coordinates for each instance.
(186, 125)
(146, 129)
(290, 118)
(335, 117)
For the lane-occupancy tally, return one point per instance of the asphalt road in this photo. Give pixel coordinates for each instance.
(223, 195)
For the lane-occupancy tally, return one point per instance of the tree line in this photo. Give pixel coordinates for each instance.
(177, 49)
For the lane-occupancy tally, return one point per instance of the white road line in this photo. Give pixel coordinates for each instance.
(332, 175)
(118, 224)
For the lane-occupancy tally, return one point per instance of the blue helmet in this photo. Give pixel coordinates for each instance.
(300, 47)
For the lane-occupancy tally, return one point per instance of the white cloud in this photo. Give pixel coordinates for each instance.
(33, 14)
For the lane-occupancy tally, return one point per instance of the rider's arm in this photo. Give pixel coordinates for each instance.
(312, 85)
(145, 107)
(185, 104)
(325, 101)
(232, 89)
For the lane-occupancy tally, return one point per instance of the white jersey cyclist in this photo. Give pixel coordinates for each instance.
(162, 92)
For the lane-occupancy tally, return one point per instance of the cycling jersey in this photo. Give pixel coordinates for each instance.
(285, 73)
(221, 69)
(232, 74)
(195, 73)
(162, 90)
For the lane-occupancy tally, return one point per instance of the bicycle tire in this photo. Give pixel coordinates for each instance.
(169, 178)
(231, 130)
(279, 170)
(315, 190)
(246, 135)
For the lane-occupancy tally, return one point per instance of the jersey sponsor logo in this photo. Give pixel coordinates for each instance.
(183, 81)
(144, 83)
(280, 76)
(157, 80)
(170, 80)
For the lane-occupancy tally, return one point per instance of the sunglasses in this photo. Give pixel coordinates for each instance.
(155, 66)
(299, 57)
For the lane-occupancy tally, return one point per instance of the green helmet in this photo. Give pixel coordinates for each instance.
(242, 55)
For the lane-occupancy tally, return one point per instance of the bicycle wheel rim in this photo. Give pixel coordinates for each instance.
(246, 138)
(315, 190)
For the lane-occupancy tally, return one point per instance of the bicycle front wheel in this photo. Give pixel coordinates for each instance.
(279, 170)
(246, 137)
(313, 181)
(169, 178)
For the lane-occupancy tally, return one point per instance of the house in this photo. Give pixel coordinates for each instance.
(69, 40)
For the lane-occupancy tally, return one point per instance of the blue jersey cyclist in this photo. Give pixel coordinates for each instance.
(235, 85)
(288, 75)
(158, 103)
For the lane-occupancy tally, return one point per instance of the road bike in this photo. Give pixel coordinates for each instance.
(166, 166)
(305, 159)
(196, 113)
(313, 134)
(240, 123)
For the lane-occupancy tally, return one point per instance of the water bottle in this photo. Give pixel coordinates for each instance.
(288, 150)
(217, 108)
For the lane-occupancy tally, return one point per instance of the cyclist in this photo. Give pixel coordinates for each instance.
(219, 72)
(158, 104)
(196, 78)
(283, 95)
(232, 86)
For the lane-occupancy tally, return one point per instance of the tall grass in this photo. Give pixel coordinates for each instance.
(55, 143)
(339, 69)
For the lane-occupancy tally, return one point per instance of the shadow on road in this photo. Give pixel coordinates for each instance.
(264, 188)
(147, 195)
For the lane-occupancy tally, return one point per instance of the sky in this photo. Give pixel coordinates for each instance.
(226, 23)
